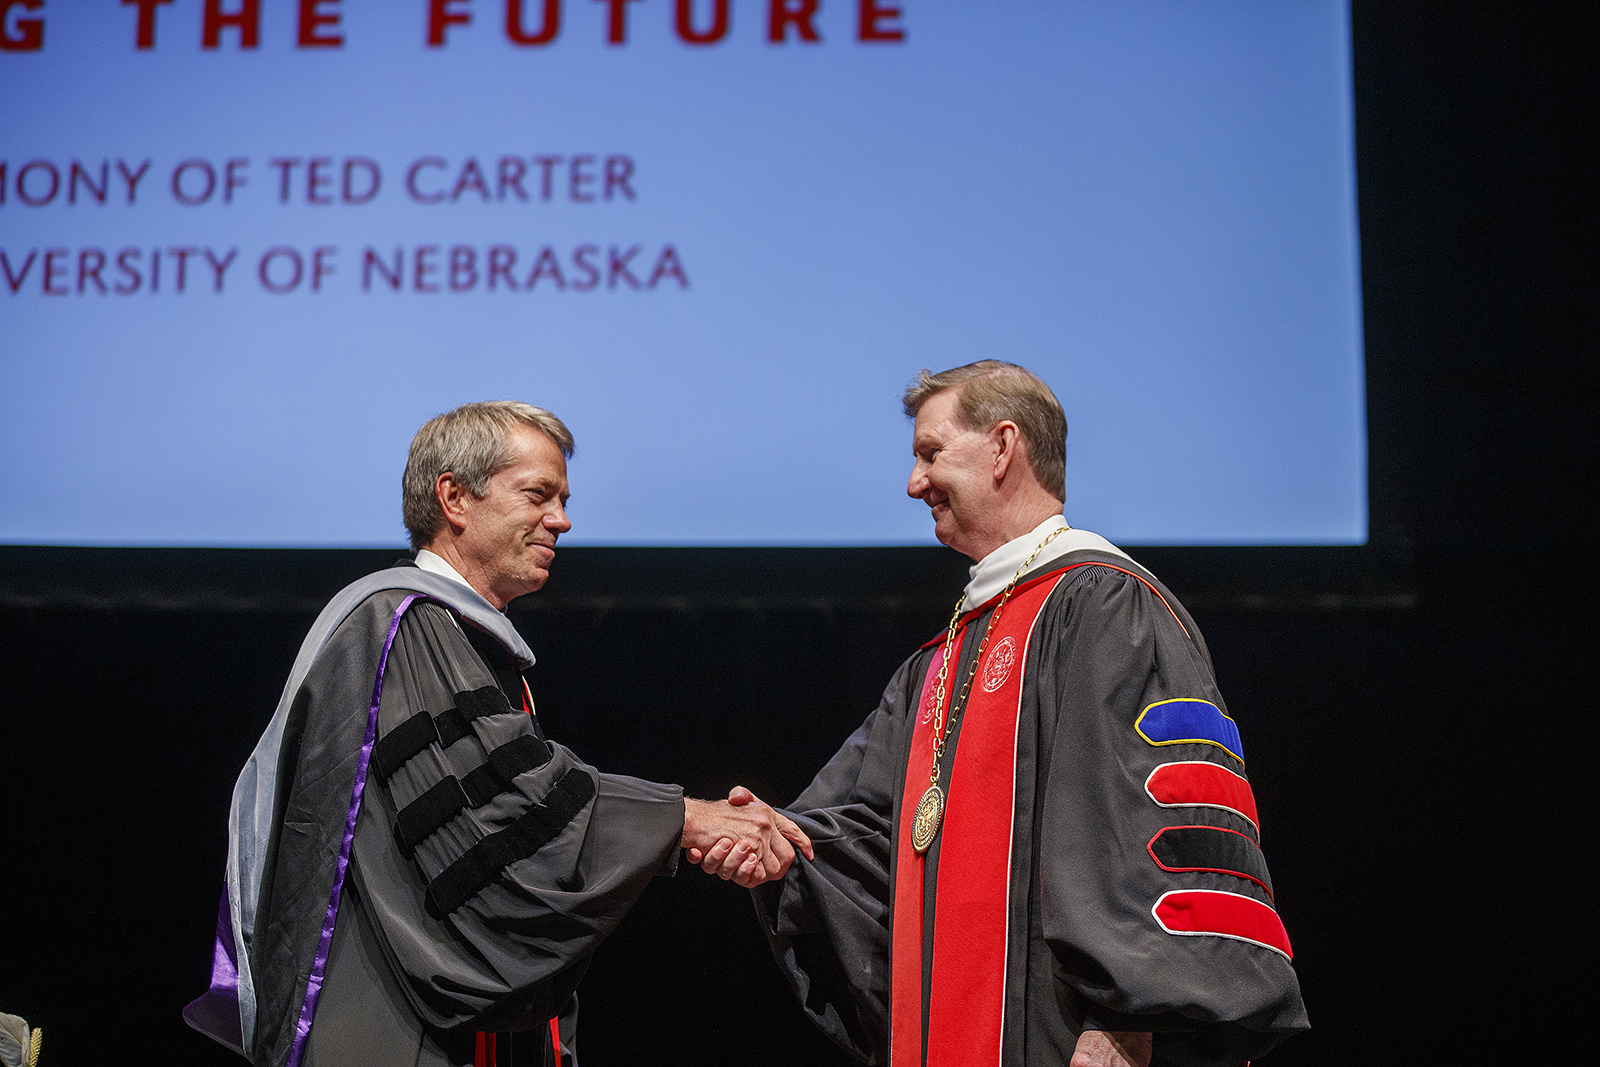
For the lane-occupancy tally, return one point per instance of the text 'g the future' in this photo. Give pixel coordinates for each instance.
(524, 23)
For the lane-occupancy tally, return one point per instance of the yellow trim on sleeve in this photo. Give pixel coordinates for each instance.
(1186, 740)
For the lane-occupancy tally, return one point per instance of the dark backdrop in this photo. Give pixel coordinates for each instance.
(1416, 709)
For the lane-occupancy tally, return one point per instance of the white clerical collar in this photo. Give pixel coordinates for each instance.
(991, 573)
(435, 563)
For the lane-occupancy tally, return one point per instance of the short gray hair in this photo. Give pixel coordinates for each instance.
(471, 442)
(993, 391)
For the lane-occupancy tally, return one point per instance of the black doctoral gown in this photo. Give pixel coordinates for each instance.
(1098, 843)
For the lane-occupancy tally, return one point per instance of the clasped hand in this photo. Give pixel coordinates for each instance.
(741, 839)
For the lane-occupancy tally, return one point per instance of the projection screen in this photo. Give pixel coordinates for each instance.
(248, 246)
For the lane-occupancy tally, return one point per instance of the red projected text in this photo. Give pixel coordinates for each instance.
(235, 25)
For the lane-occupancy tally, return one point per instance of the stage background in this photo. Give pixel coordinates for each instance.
(1417, 710)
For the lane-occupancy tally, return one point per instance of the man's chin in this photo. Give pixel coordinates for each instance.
(951, 537)
(532, 581)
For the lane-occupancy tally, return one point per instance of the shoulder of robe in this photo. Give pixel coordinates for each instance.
(377, 609)
(1122, 586)
(358, 637)
(375, 616)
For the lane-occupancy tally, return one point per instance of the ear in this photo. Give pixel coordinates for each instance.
(1007, 442)
(454, 500)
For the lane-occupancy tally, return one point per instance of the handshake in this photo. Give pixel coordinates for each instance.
(741, 839)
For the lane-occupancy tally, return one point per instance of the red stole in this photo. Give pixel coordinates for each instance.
(966, 1006)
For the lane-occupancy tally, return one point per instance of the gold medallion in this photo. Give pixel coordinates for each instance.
(925, 824)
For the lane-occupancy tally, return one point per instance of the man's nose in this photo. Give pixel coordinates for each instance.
(557, 520)
(918, 482)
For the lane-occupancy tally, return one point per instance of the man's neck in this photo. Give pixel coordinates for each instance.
(1015, 517)
(442, 558)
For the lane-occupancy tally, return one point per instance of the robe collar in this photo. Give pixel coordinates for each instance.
(991, 573)
(437, 564)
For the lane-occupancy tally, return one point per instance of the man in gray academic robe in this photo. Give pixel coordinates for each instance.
(416, 873)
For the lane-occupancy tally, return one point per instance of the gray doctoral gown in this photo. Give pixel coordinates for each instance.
(412, 860)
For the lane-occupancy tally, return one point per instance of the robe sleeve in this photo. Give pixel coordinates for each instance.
(492, 862)
(828, 918)
(1117, 653)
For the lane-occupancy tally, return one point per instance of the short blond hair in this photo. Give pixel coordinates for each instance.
(994, 391)
(473, 443)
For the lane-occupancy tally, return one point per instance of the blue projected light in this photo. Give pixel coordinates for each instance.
(237, 279)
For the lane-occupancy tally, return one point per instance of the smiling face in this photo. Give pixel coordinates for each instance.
(509, 534)
(954, 475)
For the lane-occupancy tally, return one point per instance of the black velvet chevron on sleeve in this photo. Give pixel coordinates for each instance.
(451, 795)
(482, 863)
(404, 742)
(1210, 848)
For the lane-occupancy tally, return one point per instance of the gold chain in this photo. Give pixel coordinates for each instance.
(939, 724)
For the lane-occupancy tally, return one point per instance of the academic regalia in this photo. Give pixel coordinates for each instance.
(1098, 863)
(415, 873)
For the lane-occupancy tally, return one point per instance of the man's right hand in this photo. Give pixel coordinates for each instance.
(741, 839)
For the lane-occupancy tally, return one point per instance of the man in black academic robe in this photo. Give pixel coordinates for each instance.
(416, 874)
(1092, 887)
